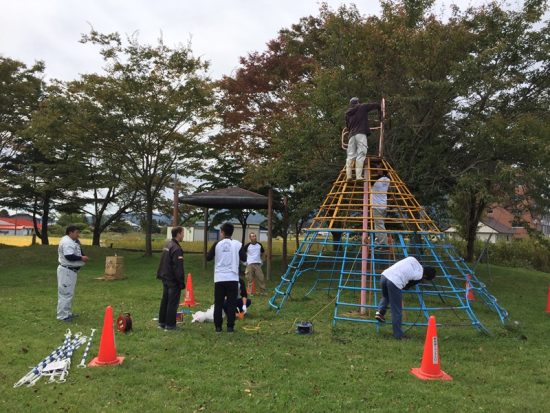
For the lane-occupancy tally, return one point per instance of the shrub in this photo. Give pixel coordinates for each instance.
(56, 230)
(527, 253)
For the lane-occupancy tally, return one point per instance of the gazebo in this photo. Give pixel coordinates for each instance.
(233, 198)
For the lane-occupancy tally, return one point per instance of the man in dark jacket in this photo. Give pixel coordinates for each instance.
(171, 273)
(357, 123)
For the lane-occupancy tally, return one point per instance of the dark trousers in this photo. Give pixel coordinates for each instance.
(169, 305)
(225, 290)
(238, 305)
(392, 295)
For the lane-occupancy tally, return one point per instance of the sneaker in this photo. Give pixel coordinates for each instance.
(380, 317)
(161, 326)
(218, 330)
(68, 319)
(170, 328)
(230, 330)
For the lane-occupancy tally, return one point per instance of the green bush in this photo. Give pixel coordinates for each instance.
(56, 230)
(525, 253)
(120, 227)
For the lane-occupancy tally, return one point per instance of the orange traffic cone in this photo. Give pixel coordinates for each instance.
(469, 291)
(548, 305)
(430, 368)
(107, 348)
(189, 300)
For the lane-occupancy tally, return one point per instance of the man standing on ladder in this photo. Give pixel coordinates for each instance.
(357, 123)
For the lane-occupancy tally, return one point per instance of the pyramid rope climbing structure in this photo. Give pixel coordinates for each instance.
(346, 250)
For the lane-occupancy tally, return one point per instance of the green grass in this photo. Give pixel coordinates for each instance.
(350, 368)
(136, 241)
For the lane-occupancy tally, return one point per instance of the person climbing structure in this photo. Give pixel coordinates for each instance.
(357, 125)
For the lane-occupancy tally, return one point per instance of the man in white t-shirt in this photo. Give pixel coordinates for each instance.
(226, 276)
(71, 259)
(251, 253)
(400, 276)
(379, 201)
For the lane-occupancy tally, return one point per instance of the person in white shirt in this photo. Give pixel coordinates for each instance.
(400, 276)
(251, 253)
(379, 201)
(226, 276)
(71, 259)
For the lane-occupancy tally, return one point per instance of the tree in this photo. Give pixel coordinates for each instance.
(20, 94)
(456, 92)
(501, 121)
(120, 226)
(64, 220)
(45, 165)
(227, 171)
(160, 101)
(88, 130)
(21, 90)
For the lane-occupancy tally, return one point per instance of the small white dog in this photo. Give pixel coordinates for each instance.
(205, 316)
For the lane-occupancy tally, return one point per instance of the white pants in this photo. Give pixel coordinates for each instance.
(357, 147)
(378, 215)
(66, 283)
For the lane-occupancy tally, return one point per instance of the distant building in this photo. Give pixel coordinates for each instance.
(501, 224)
(18, 224)
(542, 224)
(196, 232)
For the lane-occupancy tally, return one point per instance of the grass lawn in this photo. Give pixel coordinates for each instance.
(134, 241)
(351, 368)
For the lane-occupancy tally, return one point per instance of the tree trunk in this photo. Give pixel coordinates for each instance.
(474, 215)
(96, 237)
(284, 259)
(99, 227)
(45, 217)
(243, 237)
(148, 227)
(284, 233)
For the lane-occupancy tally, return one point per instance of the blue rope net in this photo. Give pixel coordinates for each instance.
(345, 252)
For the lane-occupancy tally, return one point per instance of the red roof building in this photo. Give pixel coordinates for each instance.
(17, 226)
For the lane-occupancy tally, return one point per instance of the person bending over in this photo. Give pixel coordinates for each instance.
(402, 275)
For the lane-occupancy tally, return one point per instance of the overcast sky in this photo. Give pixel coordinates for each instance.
(220, 30)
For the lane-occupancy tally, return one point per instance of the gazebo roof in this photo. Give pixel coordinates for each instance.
(230, 198)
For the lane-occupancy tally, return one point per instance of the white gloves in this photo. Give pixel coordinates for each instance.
(244, 308)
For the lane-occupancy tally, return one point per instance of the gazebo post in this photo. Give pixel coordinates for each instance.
(205, 244)
(269, 231)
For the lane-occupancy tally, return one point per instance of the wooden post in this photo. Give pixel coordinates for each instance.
(205, 245)
(364, 245)
(269, 231)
